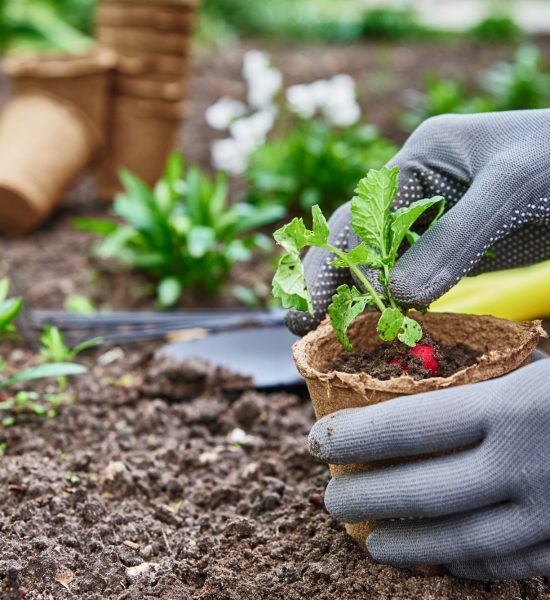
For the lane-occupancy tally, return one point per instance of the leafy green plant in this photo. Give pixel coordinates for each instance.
(441, 96)
(54, 350)
(9, 309)
(392, 23)
(382, 232)
(316, 163)
(497, 28)
(184, 232)
(46, 24)
(16, 404)
(53, 347)
(522, 84)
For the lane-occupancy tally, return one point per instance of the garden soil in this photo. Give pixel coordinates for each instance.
(142, 489)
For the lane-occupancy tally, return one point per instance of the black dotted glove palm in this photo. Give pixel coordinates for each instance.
(494, 171)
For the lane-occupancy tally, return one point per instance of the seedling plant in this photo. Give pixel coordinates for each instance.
(14, 403)
(184, 231)
(382, 232)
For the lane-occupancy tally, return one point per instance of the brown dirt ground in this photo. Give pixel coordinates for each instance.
(141, 470)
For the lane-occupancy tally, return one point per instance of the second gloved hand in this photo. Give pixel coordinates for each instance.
(483, 511)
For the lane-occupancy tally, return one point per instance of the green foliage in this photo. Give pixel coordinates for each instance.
(393, 24)
(20, 403)
(184, 232)
(9, 309)
(53, 348)
(441, 96)
(382, 232)
(315, 163)
(305, 19)
(46, 24)
(521, 84)
(497, 28)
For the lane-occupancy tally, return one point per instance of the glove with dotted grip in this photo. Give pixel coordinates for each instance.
(494, 171)
(483, 511)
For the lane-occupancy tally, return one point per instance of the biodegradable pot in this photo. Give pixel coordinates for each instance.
(83, 80)
(150, 88)
(165, 17)
(142, 135)
(123, 39)
(44, 146)
(506, 345)
(152, 66)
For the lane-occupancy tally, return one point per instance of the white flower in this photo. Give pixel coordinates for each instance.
(223, 112)
(230, 155)
(263, 80)
(252, 131)
(340, 105)
(302, 100)
(255, 62)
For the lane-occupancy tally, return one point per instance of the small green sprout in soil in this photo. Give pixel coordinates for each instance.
(54, 350)
(382, 232)
(15, 402)
(184, 232)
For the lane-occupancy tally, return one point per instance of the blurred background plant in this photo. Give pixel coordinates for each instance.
(63, 25)
(184, 232)
(15, 402)
(521, 84)
(318, 148)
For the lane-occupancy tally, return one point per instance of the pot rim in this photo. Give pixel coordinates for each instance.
(60, 65)
(491, 364)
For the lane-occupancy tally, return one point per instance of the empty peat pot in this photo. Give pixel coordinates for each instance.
(44, 146)
(83, 80)
(505, 346)
(142, 135)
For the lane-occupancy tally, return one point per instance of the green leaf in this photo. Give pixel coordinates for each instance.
(361, 255)
(411, 332)
(347, 304)
(404, 218)
(295, 235)
(289, 284)
(370, 208)
(9, 309)
(100, 226)
(168, 291)
(44, 371)
(4, 288)
(86, 345)
(200, 241)
(390, 324)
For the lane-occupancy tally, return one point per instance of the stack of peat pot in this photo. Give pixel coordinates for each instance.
(52, 129)
(152, 40)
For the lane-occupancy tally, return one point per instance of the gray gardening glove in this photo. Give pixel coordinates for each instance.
(494, 171)
(484, 511)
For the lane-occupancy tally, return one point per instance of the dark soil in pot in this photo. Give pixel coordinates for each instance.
(387, 361)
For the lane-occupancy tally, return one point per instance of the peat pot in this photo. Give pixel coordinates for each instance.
(506, 346)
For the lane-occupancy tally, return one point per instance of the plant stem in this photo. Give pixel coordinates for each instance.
(386, 283)
(360, 276)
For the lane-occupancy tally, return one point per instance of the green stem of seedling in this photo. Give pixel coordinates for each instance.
(360, 276)
(387, 282)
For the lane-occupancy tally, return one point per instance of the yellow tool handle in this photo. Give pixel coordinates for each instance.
(517, 294)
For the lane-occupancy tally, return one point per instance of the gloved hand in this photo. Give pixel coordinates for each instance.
(494, 171)
(483, 511)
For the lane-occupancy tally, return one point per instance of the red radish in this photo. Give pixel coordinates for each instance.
(396, 361)
(426, 354)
